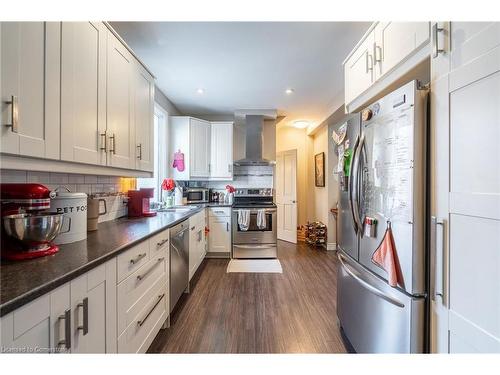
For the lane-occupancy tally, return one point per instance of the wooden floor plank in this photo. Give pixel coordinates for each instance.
(292, 312)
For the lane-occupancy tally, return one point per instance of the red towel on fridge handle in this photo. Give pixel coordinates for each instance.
(386, 257)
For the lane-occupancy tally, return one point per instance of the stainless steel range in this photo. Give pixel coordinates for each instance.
(254, 224)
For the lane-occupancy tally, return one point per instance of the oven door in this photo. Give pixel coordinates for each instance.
(254, 234)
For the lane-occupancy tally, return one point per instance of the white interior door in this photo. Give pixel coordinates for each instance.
(286, 195)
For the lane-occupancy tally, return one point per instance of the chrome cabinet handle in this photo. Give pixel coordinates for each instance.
(141, 277)
(375, 50)
(199, 236)
(112, 144)
(138, 258)
(369, 66)
(227, 226)
(143, 320)
(192, 228)
(67, 329)
(368, 286)
(435, 45)
(161, 243)
(139, 146)
(14, 114)
(229, 168)
(85, 326)
(104, 144)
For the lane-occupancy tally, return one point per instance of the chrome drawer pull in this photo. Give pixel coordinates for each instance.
(143, 320)
(14, 114)
(141, 277)
(138, 258)
(161, 243)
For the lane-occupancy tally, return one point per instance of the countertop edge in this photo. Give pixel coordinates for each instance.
(28, 297)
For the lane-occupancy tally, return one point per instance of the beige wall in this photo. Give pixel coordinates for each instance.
(288, 138)
(321, 204)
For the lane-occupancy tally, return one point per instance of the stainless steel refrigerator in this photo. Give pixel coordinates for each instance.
(385, 184)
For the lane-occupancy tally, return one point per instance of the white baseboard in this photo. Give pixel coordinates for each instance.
(331, 246)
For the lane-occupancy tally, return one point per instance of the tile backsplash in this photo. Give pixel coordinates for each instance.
(109, 186)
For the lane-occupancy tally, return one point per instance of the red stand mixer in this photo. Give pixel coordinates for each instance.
(27, 231)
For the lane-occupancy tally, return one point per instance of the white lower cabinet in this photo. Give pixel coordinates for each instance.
(219, 236)
(197, 242)
(142, 297)
(77, 317)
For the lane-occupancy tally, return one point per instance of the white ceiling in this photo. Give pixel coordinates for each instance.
(247, 65)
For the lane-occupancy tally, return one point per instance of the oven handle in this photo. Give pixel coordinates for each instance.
(254, 246)
(254, 211)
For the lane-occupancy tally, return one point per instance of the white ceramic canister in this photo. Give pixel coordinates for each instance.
(74, 207)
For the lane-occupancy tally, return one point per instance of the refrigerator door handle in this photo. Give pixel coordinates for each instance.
(351, 183)
(355, 200)
(368, 286)
(434, 265)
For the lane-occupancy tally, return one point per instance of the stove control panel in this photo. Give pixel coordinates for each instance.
(254, 192)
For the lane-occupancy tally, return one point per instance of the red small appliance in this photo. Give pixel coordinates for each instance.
(22, 207)
(139, 202)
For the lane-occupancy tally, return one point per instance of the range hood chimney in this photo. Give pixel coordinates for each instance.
(253, 140)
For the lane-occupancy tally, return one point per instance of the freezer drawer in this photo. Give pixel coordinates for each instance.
(375, 317)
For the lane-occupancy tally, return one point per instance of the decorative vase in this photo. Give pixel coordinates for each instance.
(229, 198)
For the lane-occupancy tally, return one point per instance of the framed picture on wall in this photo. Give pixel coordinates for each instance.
(319, 169)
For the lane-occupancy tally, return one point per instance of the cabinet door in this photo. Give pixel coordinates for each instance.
(358, 69)
(60, 319)
(199, 148)
(219, 238)
(120, 124)
(221, 165)
(30, 73)
(143, 118)
(394, 41)
(83, 92)
(88, 304)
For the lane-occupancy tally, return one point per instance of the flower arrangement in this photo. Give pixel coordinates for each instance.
(168, 184)
(230, 188)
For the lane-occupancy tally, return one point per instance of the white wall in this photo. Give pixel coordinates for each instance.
(321, 203)
(165, 103)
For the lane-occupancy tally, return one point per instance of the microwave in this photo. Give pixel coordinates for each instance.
(196, 195)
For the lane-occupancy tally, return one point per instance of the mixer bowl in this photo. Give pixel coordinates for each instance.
(33, 228)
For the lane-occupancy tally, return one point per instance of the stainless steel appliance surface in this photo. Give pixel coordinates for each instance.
(385, 183)
(179, 261)
(33, 227)
(196, 195)
(256, 241)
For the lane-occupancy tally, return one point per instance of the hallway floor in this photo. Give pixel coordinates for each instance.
(292, 312)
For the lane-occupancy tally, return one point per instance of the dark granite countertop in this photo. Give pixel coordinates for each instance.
(23, 281)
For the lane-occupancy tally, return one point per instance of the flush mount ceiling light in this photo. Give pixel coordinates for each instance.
(301, 124)
(200, 91)
(289, 91)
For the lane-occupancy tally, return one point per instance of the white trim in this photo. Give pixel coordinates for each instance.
(331, 246)
(25, 163)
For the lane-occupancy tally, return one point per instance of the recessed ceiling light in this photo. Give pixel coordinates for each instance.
(301, 124)
(200, 91)
(289, 91)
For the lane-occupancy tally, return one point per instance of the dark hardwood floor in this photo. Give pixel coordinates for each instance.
(292, 312)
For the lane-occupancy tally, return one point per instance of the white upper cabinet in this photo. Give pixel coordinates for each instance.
(221, 164)
(385, 47)
(83, 87)
(120, 100)
(200, 148)
(30, 62)
(358, 68)
(394, 41)
(143, 118)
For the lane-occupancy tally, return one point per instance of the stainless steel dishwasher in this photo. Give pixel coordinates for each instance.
(179, 261)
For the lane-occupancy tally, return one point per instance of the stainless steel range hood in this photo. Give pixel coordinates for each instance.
(253, 141)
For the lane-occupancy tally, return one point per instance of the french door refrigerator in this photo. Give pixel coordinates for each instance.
(384, 194)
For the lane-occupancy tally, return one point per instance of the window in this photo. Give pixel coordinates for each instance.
(160, 154)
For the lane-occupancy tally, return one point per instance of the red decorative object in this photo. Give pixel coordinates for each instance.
(230, 188)
(168, 184)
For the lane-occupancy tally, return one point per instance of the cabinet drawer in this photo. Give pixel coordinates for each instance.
(159, 242)
(134, 286)
(127, 316)
(132, 260)
(145, 325)
(219, 211)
